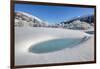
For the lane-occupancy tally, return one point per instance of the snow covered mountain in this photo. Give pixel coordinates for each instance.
(25, 19)
(86, 18)
(80, 23)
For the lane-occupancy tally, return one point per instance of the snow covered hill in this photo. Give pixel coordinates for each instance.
(26, 19)
(23, 19)
(79, 23)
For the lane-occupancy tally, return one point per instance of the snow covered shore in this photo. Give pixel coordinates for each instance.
(27, 36)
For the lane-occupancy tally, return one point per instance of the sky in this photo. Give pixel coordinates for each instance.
(53, 14)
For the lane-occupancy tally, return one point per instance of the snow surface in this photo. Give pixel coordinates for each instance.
(29, 15)
(27, 36)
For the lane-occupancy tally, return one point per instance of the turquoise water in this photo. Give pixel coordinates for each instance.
(54, 45)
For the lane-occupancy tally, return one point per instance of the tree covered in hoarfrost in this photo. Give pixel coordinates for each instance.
(77, 25)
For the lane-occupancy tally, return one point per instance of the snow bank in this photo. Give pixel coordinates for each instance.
(25, 37)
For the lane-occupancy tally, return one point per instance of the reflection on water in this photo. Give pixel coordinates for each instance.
(54, 45)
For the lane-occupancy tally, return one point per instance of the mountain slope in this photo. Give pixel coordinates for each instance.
(25, 19)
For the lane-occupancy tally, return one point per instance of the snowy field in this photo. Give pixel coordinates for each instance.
(25, 37)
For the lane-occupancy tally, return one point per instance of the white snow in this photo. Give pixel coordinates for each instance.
(26, 36)
(29, 15)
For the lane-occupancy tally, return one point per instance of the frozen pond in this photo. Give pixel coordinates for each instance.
(54, 45)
